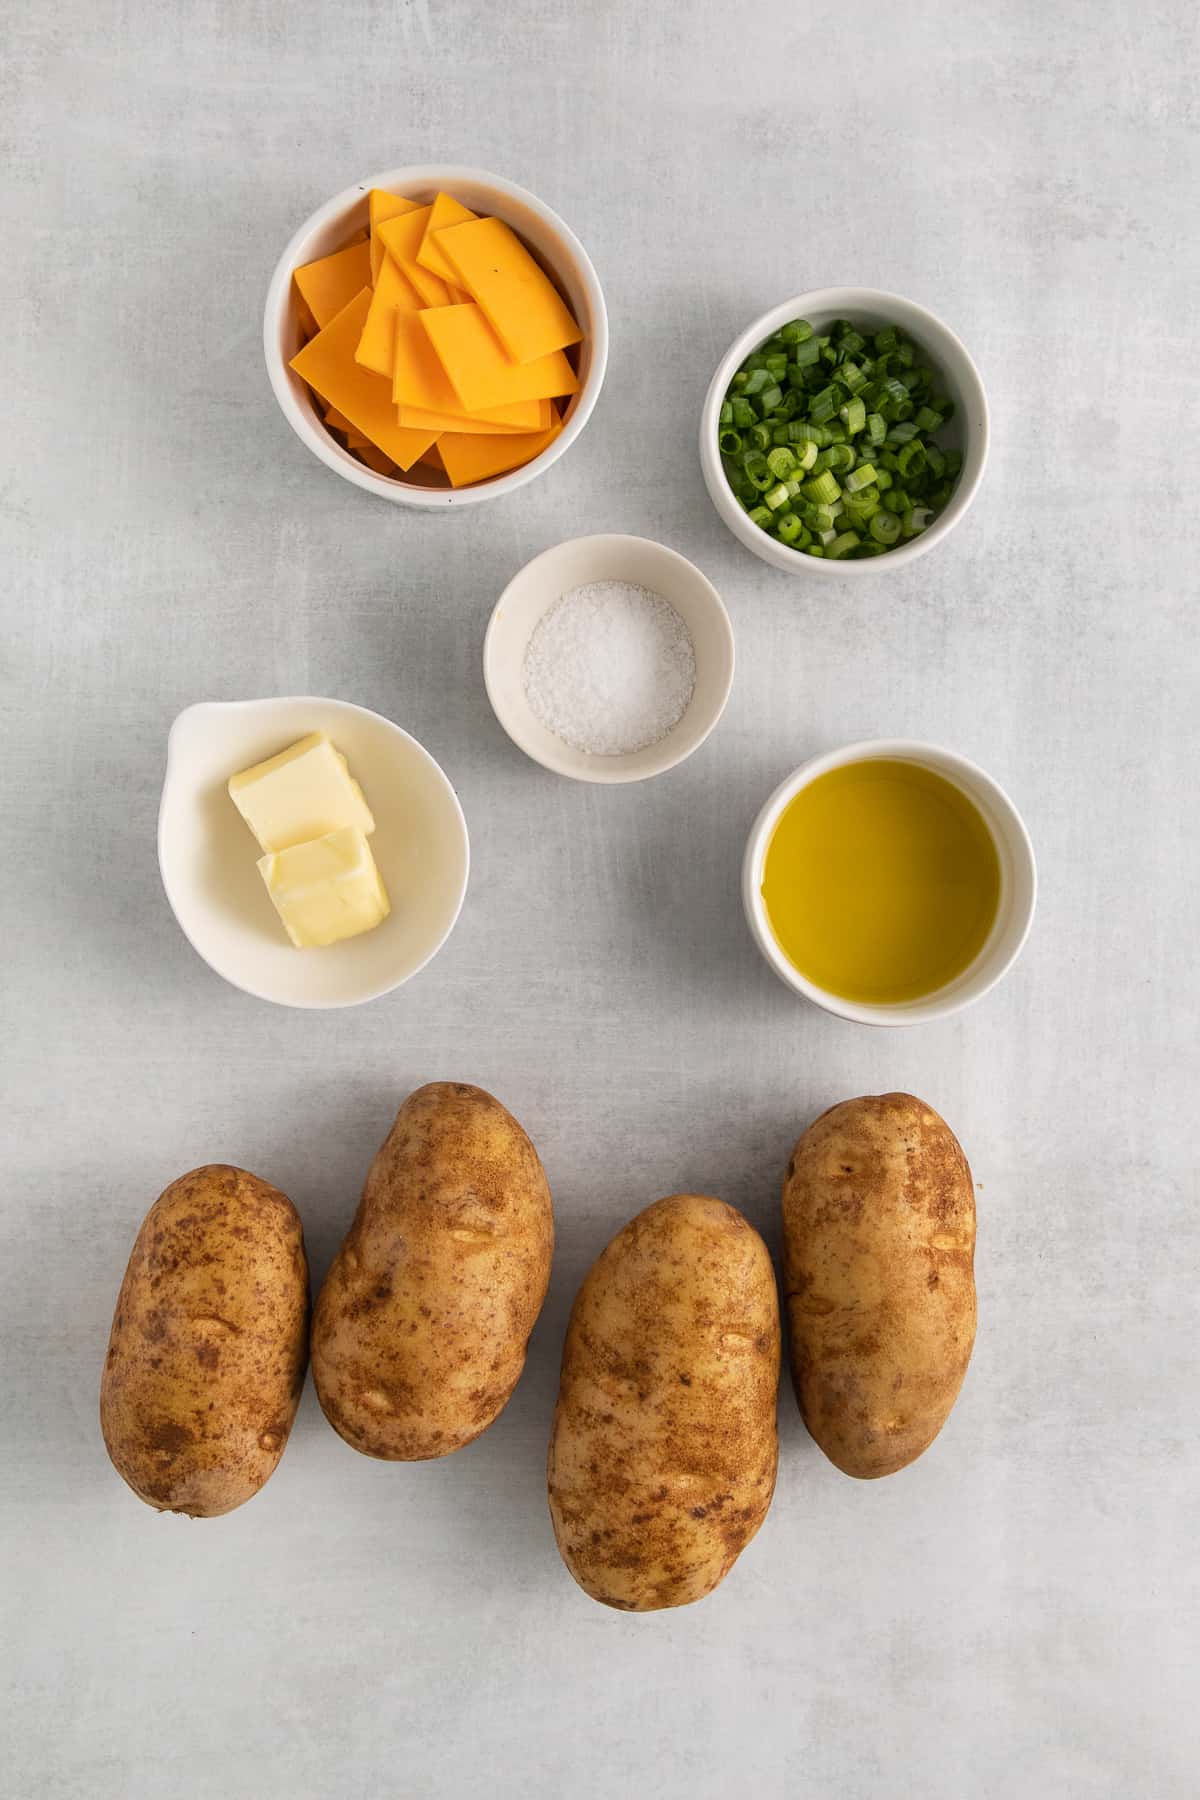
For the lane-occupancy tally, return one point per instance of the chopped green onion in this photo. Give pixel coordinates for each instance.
(822, 488)
(808, 407)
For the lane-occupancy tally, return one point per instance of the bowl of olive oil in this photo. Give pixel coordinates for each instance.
(890, 882)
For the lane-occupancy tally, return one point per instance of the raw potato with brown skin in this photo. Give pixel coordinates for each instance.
(664, 1448)
(209, 1343)
(421, 1328)
(879, 1248)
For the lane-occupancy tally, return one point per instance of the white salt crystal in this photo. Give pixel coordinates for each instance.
(610, 668)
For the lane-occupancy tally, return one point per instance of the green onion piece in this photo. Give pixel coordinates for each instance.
(853, 415)
(789, 528)
(793, 484)
(744, 414)
(768, 399)
(738, 384)
(758, 379)
(822, 488)
(916, 520)
(906, 355)
(776, 496)
(902, 433)
(781, 462)
(754, 466)
(796, 331)
(936, 461)
(758, 436)
(927, 419)
(822, 460)
(883, 479)
(813, 550)
(953, 462)
(861, 477)
(725, 417)
(777, 363)
(887, 339)
(898, 500)
(841, 458)
(884, 528)
(806, 355)
(910, 460)
(852, 377)
(761, 515)
(844, 542)
(876, 428)
(823, 405)
(730, 442)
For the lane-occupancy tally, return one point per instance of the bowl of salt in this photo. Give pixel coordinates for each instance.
(609, 658)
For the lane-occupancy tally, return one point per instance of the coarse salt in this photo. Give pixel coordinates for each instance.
(610, 668)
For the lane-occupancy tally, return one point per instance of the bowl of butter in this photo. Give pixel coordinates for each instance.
(313, 852)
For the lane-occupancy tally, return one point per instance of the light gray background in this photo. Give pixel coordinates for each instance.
(1016, 1614)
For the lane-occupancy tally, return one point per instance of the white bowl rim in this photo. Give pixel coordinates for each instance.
(866, 750)
(365, 712)
(440, 175)
(840, 300)
(611, 773)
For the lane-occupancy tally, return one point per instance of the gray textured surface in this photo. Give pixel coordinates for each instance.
(1015, 1615)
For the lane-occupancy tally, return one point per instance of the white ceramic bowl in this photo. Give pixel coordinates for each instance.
(1018, 882)
(208, 856)
(966, 431)
(607, 557)
(553, 244)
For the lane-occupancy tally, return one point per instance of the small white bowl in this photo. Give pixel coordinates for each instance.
(967, 431)
(207, 854)
(607, 557)
(553, 244)
(1018, 883)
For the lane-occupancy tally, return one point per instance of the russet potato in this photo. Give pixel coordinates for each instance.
(879, 1247)
(664, 1447)
(421, 1327)
(209, 1343)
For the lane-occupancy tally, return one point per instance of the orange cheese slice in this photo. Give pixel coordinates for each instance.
(402, 238)
(374, 459)
(415, 418)
(480, 370)
(380, 206)
(431, 459)
(327, 364)
(393, 293)
(524, 307)
(327, 285)
(446, 211)
(419, 383)
(469, 458)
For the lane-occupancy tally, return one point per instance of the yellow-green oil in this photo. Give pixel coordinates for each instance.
(881, 881)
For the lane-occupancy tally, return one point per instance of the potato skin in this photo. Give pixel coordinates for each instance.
(209, 1344)
(664, 1448)
(879, 1248)
(421, 1327)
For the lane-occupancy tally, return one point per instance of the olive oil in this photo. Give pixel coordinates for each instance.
(881, 881)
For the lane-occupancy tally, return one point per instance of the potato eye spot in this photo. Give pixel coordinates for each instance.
(377, 1400)
(269, 1441)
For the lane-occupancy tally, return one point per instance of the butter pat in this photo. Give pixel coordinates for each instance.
(326, 890)
(303, 793)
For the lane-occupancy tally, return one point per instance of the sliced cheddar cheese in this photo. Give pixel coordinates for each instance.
(380, 206)
(327, 364)
(446, 211)
(393, 293)
(469, 458)
(415, 418)
(402, 238)
(522, 304)
(330, 283)
(375, 459)
(480, 370)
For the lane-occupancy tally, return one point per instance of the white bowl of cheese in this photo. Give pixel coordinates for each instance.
(209, 857)
(333, 228)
